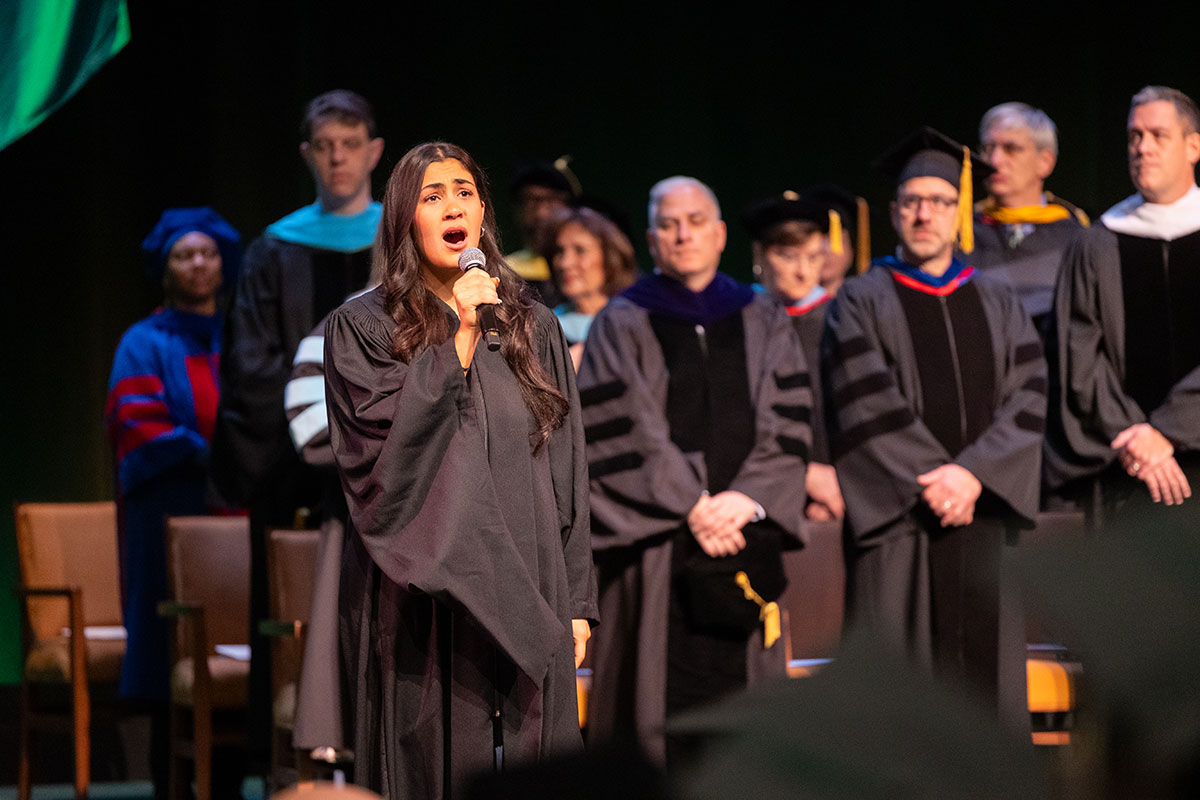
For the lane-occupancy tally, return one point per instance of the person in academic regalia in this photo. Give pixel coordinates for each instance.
(1129, 336)
(318, 720)
(696, 401)
(302, 266)
(591, 260)
(790, 253)
(161, 409)
(539, 190)
(937, 386)
(847, 227)
(467, 591)
(1021, 230)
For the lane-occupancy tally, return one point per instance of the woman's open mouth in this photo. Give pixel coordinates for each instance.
(455, 236)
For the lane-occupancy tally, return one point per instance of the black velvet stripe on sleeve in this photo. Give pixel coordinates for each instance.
(1027, 352)
(609, 429)
(797, 380)
(614, 464)
(792, 446)
(1036, 384)
(1030, 422)
(601, 393)
(796, 413)
(854, 346)
(855, 437)
(858, 389)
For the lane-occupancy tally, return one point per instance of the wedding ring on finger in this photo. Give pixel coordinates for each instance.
(1135, 467)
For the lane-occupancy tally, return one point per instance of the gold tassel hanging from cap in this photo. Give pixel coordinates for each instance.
(768, 613)
(562, 165)
(862, 248)
(835, 232)
(966, 205)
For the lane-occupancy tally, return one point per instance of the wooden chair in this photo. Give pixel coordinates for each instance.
(814, 600)
(291, 569)
(208, 569)
(70, 588)
(1051, 670)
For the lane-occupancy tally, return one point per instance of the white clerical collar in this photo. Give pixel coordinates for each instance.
(1135, 217)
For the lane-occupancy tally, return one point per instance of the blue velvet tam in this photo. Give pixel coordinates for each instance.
(176, 223)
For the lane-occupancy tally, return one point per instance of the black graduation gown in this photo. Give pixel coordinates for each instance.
(643, 485)
(881, 442)
(1093, 400)
(467, 556)
(284, 289)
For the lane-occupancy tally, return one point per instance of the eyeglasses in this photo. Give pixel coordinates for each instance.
(1008, 148)
(939, 202)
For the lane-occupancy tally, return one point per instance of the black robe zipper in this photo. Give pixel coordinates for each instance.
(958, 381)
(1166, 267)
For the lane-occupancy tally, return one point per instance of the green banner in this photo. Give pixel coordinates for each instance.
(48, 49)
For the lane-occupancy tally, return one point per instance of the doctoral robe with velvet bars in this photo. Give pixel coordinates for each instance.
(918, 376)
(160, 412)
(667, 382)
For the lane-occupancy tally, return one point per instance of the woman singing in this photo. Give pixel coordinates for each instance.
(466, 588)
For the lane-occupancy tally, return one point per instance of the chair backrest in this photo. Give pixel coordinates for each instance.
(208, 564)
(292, 564)
(69, 544)
(815, 594)
(292, 570)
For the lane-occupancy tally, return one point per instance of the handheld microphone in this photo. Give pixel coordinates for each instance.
(473, 258)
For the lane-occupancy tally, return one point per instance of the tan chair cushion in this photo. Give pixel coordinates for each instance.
(230, 682)
(284, 708)
(50, 661)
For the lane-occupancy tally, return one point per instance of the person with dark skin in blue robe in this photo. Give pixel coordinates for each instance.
(160, 412)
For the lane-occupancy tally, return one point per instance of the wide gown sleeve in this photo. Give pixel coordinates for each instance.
(642, 484)
(773, 472)
(568, 466)
(1006, 457)
(414, 469)
(1091, 405)
(304, 401)
(148, 436)
(1178, 418)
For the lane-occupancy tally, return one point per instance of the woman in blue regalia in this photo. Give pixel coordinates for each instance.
(160, 412)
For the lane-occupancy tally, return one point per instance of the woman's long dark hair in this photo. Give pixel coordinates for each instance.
(420, 316)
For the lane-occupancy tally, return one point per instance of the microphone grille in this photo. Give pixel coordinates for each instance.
(472, 257)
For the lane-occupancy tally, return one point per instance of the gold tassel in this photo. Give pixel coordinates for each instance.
(862, 249)
(563, 165)
(768, 613)
(835, 232)
(966, 205)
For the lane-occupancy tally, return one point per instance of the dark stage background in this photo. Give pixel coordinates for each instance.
(202, 107)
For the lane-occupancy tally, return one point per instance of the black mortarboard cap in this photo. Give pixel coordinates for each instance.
(783, 207)
(845, 210)
(556, 175)
(929, 153)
